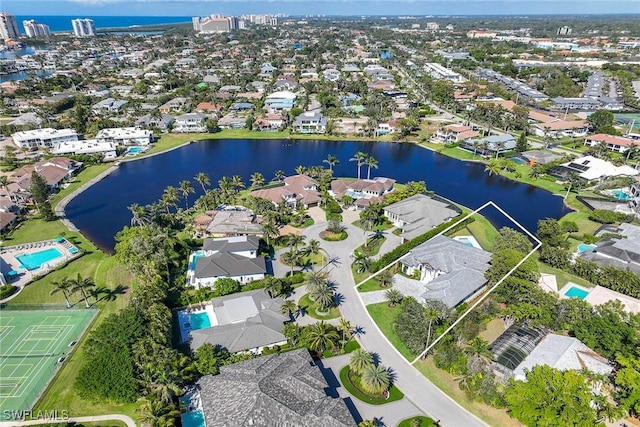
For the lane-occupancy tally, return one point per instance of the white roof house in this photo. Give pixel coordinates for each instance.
(88, 146)
(125, 136)
(563, 353)
(591, 168)
(46, 137)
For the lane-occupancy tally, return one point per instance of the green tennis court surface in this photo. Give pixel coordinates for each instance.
(31, 343)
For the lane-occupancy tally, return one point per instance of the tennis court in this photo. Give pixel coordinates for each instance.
(32, 346)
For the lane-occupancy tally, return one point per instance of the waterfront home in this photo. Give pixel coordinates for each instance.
(86, 146)
(43, 138)
(591, 168)
(190, 122)
(285, 389)
(418, 214)
(520, 348)
(491, 145)
(446, 270)
(296, 190)
(613, 143)
(363, 191)
(150, 121)
(232, 222)
(125, 136)
(310, 122)
(226, 257)
(455, 133)
(249, 321)
(621, 253)
(232, 121)
(54, 171)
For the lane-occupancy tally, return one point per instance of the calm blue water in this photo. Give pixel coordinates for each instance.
(101, 211)
(22, 75)
(574, 292)
(36, 259)
(63, 23)
(200, 321)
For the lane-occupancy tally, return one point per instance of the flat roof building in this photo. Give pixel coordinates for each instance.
(43, 138)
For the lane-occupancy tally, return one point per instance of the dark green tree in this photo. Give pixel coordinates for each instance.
(521, 143)
(40, 192)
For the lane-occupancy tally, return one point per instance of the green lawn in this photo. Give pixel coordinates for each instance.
(351, 382)
(424, 422)
(311, 306)
(372, 246)
(384, 316)
(563, 277)
(371, 286)
(85, 175)
(446, 383)
(482, 230)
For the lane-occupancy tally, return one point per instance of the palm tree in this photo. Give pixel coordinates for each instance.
(204, 181)
(359, 158)
(186, 188)
(226, 185)
(375, 379)
(346, 328)
(361, 261)
(272, 286)
(63, 286)
(493, 167)
(257, 180)
(170, 197)
(313, 248)
(293, 333)
(479, 349)
(476, 144)
(269, 230)
(323, 296)
(301, 170)
(295, 240)
(394, 297)
(331, 160)
(321, 336)
(498, 146)
(371, 163)
(288, 308)
(385, 278)
(316, 280)
(546, 137)
(84, 286)
(279, 175)
(157, 413)
(360, 360)
(140, 215)
(237, 183)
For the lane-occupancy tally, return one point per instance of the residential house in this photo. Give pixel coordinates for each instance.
(207, 107)
(43, 138)
(27, 119)
(363, 191)
(250, 321)
(54, 171)
(151, 121)
(285, 83)
(296, 189)
(446, 270)
(591, 168)
(175, 105)
(310, 122)
(491, 145)
(521, 348)
(561, 128)
(236, 222)
(190, 122)
(280, 101)
(121, 90)
(109, 106)
(125, 136)
(621, 253)
(418, 214)
(455, 133)
(582, 104)
(387, 127)
(232, 121)
(86, 146)
(226, 257)
(613, 143)
(283, 389)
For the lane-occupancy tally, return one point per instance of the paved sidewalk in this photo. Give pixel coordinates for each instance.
(125, 419)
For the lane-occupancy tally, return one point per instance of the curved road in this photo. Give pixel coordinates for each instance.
(113, 417)
(416, 387)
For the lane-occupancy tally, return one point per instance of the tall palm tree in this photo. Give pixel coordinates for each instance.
(269, 231)
(331, 160)
(360, 360)
(204, 181)
(237, 183)
(186, 188)
(170, 197)
(371, 163)
(499, 146)
(226, 185)
(324, 297)
(346, 329)
(288, 308)
(313, 248)
(316, 280)
(479, 349)
(359, 158)
(493, 167)
(272, 286)
(140, 215)
(63, 286)
(321, 336)
(84, 286)
(279, 175)
(394, 297)
(257, 180)
(157, 413)
(375, 379)
(361, 261)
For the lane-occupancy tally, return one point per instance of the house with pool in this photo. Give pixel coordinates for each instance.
(226, 257)
(419, 213)
(363, 191)
(248, 321)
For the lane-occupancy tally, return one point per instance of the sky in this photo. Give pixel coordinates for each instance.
(315, 7)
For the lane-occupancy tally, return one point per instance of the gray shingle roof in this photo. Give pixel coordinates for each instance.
(231, 244)
(461, 269)
(421, 213)
(229, 265)
(620, 253)
(275, 390)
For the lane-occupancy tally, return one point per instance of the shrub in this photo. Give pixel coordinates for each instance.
(606, 217)
(7, 291)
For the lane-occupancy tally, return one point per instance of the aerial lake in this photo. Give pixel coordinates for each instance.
(101, 211)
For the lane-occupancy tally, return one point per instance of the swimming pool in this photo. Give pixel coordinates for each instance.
(135, 150)
(621, 195)
(34, 260)
(518, 160)
(191, 418)
(584, 248)
(465, 241)
(200, 321)
(574, 292)
(194, 259)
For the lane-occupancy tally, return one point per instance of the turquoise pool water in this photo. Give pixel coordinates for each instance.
(621, 195)
(465, 241)
(200, 321)
(574, 292)
(193, 419)
(583, 248)
(36, 259)
(196, 256)
(518, 160)
(135, 150)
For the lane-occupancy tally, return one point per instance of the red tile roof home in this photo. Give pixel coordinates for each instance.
(302, 188)
(457, 128)
(610, 139)
(202, 221)
(207, 106)
(565, 124)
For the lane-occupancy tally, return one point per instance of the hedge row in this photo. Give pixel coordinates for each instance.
(7, 291)
(404, 248)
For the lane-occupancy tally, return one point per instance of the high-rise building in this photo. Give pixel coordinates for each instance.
(564, 31)
(34, 29)
(83, 27)
(8, 27)
(213, 24)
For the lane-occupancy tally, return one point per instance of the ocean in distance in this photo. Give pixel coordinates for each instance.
(63, 23)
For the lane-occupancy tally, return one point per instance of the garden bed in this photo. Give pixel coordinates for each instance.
(351, 381)
(333, 237)
(312, 309)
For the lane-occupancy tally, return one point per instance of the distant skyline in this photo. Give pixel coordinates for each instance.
(316, 7)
